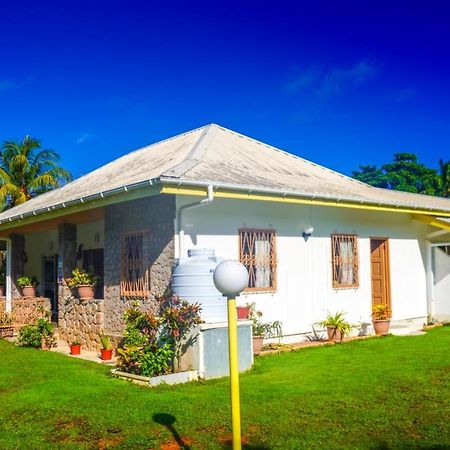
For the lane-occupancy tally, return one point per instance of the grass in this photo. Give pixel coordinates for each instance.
(387, 393)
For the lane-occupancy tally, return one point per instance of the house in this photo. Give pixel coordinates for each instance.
(312, 239)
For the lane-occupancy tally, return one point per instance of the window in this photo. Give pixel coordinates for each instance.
(135, 279)
(344, 260)
(258, 254)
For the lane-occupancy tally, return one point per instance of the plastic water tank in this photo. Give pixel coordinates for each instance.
(192, 280)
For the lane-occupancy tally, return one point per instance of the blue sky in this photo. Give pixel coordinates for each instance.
(339, 83)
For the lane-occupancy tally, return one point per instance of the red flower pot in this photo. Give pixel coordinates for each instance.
(86, 292)
(106, 355)
(243, 312)
(75, 349)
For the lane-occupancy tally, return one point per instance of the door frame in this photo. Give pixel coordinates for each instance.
(387, 271)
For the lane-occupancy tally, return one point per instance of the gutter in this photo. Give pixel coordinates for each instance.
(305, 195)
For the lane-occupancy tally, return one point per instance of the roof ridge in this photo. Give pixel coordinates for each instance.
(196, 154)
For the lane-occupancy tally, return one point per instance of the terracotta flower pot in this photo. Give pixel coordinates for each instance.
(86, 292)
(2, 290)
(381, 327)
(106, 355)
(29, 291)
(257, 344)
(75, 349)
(334, 334)
(242, 312)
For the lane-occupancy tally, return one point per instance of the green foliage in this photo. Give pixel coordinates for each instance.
(380, 312)
(27, 170)
(407, 174)
(263, 329)
(81, 277)
(38, 335)
(153, 344)
(105, 342)
(27, 281)
(337, 321)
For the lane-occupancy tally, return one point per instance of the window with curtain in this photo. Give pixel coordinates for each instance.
(344, 260)
(258, 254)
(135, 278)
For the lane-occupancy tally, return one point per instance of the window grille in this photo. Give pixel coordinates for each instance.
(135, 277)
(258, 254)
(344, 260)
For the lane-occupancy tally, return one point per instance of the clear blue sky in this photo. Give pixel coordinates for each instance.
(339, 83)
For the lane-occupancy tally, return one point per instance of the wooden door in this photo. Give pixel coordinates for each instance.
(93, 263)
(381, 286)
(50, 285)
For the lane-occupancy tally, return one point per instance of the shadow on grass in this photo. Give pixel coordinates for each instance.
(168, 420)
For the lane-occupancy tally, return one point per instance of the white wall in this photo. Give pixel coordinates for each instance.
(441, 266)
(305, 290)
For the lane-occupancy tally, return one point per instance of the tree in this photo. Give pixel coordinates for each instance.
(405, 173)
(444, 173)
(27, 170)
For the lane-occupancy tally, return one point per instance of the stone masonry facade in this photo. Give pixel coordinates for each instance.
(155, 215)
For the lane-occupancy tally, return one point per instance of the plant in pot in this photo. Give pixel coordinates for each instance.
(28, 285)
(84, 282)
(6, 324)
(380, 319)
(106, 350)
(336, 325)
(75, 348)
(262, 329)
(2, 285)
(243, 312)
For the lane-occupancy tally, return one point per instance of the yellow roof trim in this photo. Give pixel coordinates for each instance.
(433, 221)
(290, 199)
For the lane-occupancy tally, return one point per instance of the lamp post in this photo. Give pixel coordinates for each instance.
(230, 278)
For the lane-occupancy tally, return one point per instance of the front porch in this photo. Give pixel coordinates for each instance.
(93, 240)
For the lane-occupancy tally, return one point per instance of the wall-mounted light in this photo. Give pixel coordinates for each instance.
(307, 233)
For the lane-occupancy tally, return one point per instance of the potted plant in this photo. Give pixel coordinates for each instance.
(28, 285)
(6, 324)
(243, 312)
(106, 350)
(336, 325)
(262, 329)
(75, 348)
(84, 282)
(380, 319)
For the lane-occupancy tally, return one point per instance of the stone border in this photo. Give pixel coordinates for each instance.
(171, 378)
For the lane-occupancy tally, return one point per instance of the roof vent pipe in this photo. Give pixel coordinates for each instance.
(205, 201)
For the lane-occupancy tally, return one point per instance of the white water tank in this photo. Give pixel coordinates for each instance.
(192, 280)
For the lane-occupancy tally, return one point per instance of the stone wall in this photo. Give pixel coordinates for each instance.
(156, 215)
(25, 311)
(82, 321)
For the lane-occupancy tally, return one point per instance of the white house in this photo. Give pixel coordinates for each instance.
(313, 240)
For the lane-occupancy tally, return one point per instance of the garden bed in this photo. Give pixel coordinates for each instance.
(171, 378)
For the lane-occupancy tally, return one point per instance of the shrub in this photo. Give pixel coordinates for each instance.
(263, 329)
(106, 342)
(81, 278)
(380, 312)
(38, 335)
(152, 345)
(337, 321)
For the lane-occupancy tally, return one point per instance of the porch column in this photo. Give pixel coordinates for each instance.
(17, 247)
(67, 261)
(430, 280)
(8, 286)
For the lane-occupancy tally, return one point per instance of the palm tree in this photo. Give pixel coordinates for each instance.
(444, 169)
(27, 170)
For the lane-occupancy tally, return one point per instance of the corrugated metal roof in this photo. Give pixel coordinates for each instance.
(216, 155)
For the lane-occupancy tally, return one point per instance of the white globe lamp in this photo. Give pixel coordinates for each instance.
(230, 278)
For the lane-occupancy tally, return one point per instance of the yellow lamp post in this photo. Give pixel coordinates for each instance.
(230, 278)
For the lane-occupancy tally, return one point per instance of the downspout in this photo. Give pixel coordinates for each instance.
(182, 209)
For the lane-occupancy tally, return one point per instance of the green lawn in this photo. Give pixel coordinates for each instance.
(392, 392)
